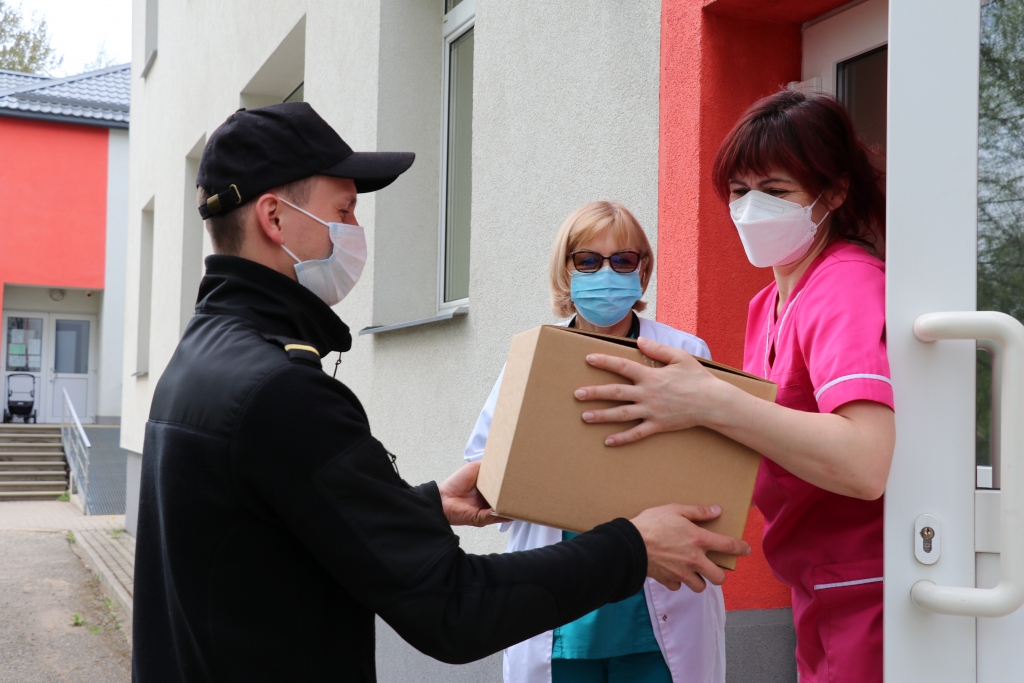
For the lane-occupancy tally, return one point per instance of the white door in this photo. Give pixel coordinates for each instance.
(72, 366)
(22, 355)
(923, 111)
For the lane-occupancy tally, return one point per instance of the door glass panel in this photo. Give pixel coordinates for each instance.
(24, 344)
(71, 353)
(861, 84)
(1000, 183)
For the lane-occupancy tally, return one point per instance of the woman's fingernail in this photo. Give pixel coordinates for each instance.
(747, 551)
(580, 393)
(643, 341)
(590, 358)
(588, 416)
(716, 509)
(609, 441)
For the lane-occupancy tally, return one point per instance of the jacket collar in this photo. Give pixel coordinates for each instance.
(275, 303)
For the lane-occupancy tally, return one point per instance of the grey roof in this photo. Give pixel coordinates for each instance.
(14, 79)
(98, 98)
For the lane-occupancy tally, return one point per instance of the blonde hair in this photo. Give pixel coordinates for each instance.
(586, 223)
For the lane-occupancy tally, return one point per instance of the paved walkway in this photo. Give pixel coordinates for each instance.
(99, 539)
(57, 624)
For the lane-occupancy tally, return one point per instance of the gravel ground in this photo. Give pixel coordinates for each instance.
(43, 584)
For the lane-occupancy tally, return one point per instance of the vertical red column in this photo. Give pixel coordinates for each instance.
(715, 62)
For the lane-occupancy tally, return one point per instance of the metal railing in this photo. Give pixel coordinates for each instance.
(76, 450)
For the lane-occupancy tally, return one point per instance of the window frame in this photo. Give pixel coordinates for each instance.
(457, 22)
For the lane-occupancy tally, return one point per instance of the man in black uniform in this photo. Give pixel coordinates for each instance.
(272, 525)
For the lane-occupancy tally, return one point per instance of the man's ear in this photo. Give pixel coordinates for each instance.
(267, 211)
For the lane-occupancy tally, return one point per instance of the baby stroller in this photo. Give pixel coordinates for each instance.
(21, 397)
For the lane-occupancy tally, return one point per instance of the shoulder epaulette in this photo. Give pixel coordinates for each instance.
(296, 349)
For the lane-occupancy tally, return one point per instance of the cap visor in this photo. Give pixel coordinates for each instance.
(372, 171)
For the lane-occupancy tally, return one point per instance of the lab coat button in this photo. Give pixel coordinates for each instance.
(664, 617)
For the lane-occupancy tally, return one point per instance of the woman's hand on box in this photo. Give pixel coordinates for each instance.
(462, 503)
(677, 548)
(675, 396)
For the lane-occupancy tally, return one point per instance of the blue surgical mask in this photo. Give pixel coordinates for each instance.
(605, 297)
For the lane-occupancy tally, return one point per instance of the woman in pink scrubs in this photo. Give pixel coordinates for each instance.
(806, 201)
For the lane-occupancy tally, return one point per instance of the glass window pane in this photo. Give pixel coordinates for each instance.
(458, 207)
(71, 354)
(449, 4)
(862, 87)
(24, 344)
(1000, 183)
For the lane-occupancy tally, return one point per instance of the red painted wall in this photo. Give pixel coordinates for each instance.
(53, 190)
(717, 58)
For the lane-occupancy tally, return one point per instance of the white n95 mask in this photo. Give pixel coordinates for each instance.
(333, 278)
(774, 231)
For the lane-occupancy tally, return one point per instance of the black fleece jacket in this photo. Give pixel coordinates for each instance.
(272, 525)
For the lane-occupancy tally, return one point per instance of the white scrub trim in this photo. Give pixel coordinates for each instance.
(846, 378)
(858, 582)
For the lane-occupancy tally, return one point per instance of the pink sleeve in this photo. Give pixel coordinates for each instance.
(842, 335)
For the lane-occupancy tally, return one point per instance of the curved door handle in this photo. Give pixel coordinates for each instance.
(1008, 337)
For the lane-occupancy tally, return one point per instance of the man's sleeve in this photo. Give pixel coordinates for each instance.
(304, 453)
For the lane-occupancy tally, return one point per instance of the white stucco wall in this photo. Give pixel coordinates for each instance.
(112, 319)
(565, 112)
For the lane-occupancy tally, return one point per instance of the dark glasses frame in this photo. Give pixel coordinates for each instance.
(618, 266)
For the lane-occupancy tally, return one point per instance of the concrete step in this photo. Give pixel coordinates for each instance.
(32, 475)
(31, 465)
(35, 457)
(55, 487)
(28, 495)
(7, 435)
(20, 428)
(31, 448)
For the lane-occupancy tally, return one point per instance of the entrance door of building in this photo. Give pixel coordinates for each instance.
(58, 352)
(908, 71)
(72, 365)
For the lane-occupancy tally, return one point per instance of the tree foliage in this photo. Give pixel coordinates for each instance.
(25, 46)
(1000, 181)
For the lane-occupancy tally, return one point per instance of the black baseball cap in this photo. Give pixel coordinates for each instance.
(256, 150)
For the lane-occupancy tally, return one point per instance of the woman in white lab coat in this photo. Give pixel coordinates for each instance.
(599, 269)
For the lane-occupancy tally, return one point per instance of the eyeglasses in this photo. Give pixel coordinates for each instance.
(625, 261)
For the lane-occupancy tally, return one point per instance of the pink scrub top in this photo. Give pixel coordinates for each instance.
(826, 349)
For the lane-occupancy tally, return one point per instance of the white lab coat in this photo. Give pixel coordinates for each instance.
(689, 627)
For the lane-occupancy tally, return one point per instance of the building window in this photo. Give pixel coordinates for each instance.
(145, 292)
(152, 9)
(298, 94)
(456, 153)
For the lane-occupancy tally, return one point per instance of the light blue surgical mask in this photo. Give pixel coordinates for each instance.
(605, 297)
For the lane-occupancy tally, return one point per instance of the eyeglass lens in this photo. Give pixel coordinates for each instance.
(591, 261)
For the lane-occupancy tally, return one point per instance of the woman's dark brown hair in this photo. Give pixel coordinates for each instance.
(813, 139)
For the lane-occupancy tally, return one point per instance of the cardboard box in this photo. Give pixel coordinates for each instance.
(544, 464)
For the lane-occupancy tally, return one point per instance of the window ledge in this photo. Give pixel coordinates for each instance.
(446, 315)
(149, 63)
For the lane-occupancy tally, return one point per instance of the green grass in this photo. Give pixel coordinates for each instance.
(77, 620)
(64, 497)
(116, 533)
(70, 536)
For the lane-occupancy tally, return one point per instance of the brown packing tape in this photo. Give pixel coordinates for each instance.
(543, 464)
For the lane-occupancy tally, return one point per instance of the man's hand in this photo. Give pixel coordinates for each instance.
(462, 503)
(676, 547)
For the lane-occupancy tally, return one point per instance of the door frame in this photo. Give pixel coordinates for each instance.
(931, 266)
(46, 375)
